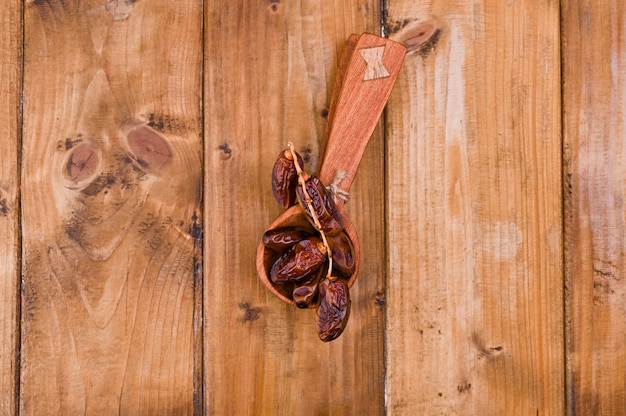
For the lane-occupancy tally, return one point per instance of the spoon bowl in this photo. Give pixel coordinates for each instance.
(294, 217)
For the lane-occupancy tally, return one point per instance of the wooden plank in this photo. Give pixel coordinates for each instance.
(594, 94)
(10, 89)
(270, 67)
(474, 292)
(111, 207)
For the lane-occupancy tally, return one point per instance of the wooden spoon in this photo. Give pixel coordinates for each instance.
(364, 85)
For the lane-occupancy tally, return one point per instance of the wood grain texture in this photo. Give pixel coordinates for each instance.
(10, 90)
(468, 220)
(111, 207)
(594, 91)
(270, 67)
(474, 322)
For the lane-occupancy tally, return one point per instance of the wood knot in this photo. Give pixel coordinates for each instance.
(250, 313)
(82, 163)
(274, 5)
(227, 152)
(464, 387)
(379, 299)
(484, 350)
(150, 148)
(418, 37)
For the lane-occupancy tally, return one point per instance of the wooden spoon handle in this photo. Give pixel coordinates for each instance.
(365, 86)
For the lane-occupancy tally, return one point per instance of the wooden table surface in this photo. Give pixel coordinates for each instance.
(137, 140)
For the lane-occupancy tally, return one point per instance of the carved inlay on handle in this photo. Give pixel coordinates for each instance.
(374, 60)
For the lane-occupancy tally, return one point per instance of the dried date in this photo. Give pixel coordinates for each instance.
(285, 178)
(333, 310)
(300, 261)
(343, 254)
(280, 239)
(305, 292)
(324, 207)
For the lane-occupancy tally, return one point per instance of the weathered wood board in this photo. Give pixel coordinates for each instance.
(270, 67)
(474, 283)
(111, 207)
(10, 90)
(594, 98)
(135, 187)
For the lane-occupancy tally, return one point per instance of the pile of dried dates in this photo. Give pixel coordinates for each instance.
(314, 262)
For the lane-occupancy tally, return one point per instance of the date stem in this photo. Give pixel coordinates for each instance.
(302, 177)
